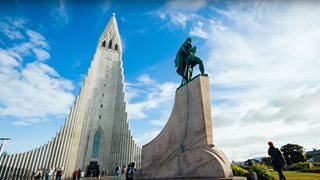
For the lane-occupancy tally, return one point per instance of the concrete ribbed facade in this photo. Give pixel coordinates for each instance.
(96, 131)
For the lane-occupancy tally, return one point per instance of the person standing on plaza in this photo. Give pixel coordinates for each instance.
(123, 170)
(50, 174)
(278, 161)
(116, 172)
(102, 172)
(46, 174)
(58, 173)
(130, 171)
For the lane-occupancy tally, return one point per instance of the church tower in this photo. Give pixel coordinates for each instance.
(96, 135)
(106, 139)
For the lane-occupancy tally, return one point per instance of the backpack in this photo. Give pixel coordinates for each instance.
(278, 157)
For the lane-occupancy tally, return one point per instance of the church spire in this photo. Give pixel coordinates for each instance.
(110, 37)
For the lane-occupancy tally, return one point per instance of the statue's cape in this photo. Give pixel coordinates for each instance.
(180, 58)
(178, 63)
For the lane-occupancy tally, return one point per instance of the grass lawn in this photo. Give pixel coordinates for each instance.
(292, 175)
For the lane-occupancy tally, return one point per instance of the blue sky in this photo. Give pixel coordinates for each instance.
(262, 58)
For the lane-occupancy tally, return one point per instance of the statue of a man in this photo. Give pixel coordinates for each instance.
(186, 59)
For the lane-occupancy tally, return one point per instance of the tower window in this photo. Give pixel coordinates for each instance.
(104, 85)
(116, 47)
(110, 44)
(101, 105)
(102, 95)
(103, 44)
(99, 116)
(96, 145)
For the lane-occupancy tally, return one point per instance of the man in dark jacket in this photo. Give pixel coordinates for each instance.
(278, 161)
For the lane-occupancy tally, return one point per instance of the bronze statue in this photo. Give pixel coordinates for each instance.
(186, 60)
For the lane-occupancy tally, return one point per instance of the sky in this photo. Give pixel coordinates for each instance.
(262, 58)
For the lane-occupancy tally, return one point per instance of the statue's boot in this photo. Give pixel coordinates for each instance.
(201, 68)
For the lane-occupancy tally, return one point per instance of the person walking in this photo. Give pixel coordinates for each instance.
(278, 161)
(130, 171)
(38, 175)
(74, 174)
(79, 173)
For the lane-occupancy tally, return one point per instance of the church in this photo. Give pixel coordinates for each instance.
(96, 135)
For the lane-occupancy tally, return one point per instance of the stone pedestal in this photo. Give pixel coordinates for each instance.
(184, 148)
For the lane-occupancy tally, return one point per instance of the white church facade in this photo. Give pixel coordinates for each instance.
(96, 135)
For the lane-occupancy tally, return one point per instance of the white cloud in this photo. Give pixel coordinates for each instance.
(146, 137)
(12, 27)
(198, 30)
(37, 39)
(36, 44)
(41, 54)
(186, 5)
(162, 118)
(145, 79)
(31, 91)
(27, 122)
(178, 19)
(173, 18)
(264, 61)
(7, 60)
(150, 101)
(105, 6)
(60, 13)
(151, 95)
(162, 15)
(182, 14)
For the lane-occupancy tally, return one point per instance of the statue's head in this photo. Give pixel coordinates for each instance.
(189, 39)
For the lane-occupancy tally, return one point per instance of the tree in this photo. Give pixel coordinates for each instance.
(293, 153)
(266, 161)
(251, 162)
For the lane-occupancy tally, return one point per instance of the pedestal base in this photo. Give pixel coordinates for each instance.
(184, 149)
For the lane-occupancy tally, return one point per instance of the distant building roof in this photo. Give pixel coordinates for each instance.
(314, 152)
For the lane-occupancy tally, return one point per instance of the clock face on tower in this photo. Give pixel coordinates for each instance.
(109, 57)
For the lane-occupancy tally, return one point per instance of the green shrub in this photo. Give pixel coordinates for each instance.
(302, 166)
(238, 171)
(262, 171)
(316, 165)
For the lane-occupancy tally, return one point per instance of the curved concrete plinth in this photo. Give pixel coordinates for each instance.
(184, 148)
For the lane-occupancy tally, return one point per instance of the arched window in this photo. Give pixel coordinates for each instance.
(96, 145)
(103, 44)
(116, 47)
(110, 44)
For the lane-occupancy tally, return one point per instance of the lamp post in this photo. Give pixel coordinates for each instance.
(290, 159)
(2, 141)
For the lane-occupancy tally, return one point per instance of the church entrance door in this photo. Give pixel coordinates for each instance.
(93, 169)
